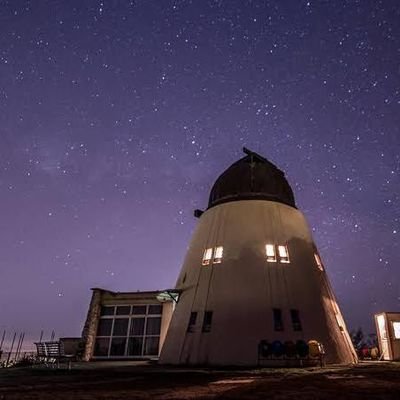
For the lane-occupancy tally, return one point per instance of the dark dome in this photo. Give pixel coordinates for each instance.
(251, 177)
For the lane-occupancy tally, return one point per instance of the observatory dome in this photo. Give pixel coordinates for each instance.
(251, 178)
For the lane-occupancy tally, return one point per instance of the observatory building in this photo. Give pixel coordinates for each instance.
(252, 275)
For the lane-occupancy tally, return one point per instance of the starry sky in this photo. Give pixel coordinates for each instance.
(116, 117)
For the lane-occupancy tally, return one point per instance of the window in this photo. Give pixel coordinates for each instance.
(135, 346)
(207, 256)
(101, 347)
(107, 310)
(396, 329)
(278, 322)
(129, 331)
(123, 310)
(153, 326)
(340, 321)
(120, 326)
(296, 323)
(151, 346)
(137, 327)
(218, 253)
(139, 310)
(207, 321)
(117, 347)
(192, 321)
(318, 261)
(104, 327)
(270, 252)
(283, 254)
(155, 309)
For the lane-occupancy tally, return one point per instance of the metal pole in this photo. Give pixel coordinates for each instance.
(19, 346)
(41, 336)
(52, 336)
(2, 339)
(16, 349)
(12, 346)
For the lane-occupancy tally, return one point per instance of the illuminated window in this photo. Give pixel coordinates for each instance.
(396, 329)
(283, 254)
(318, 261)
(340, 322)
(207, 256)
(218, 253)
(270, 251)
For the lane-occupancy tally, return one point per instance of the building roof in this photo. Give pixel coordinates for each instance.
(251, 177)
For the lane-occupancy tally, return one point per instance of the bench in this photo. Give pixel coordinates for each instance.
(51, 353)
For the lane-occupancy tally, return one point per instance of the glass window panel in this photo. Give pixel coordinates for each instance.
(207, 321)
(101, 347)
(151, 346)
(107, 310)
(155, 309)
(139, 310)
(135, 345)
(192, 321)
(295, 315)
(120, 326)
(283, 254)
(104, 327)
(207, 256)
(396, 329)
(278, 322)
(270, 252)
(218, 254)
(153, 326)
(117, 347)
(123, 310)
(137, 327)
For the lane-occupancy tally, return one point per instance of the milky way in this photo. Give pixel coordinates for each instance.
(116, 117)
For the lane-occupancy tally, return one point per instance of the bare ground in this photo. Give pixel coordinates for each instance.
(127, 381)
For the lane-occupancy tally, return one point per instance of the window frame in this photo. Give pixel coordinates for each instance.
(218, 254)
(207, 256)
(207, 321)
(283, 258)
(271, 255)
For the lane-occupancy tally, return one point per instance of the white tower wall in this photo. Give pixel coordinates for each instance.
(244, 288)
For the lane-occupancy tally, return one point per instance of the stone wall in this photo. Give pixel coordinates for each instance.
(90, 327)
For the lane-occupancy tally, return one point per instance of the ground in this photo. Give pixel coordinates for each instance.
(113, 380)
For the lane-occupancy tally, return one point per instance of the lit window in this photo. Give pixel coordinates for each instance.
(218, 253)
(340, 322)
(396, 329)
(207, 256)
(207, 321)
(283, 254)
(270, 251)
(318, 261)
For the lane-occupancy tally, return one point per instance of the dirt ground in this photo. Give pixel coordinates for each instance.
(142, 381)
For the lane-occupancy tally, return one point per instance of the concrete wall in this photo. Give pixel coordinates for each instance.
(244, 288)
(389, 345)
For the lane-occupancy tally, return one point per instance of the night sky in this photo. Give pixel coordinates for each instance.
(116, 117)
